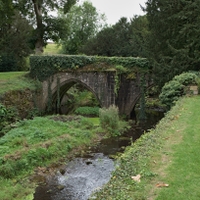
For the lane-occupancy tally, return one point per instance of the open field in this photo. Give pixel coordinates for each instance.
(52, 48)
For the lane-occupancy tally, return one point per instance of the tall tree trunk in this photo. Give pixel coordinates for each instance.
(40, 31)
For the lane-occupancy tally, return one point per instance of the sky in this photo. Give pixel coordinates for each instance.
(115, 9)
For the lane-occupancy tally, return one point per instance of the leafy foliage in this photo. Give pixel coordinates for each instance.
(8, 115)
(47, 26)
(14, 43)
(122, 39)
(109, 119)
(174, 89)
(83, 22)
(44, 66)
(87, 111)
(173, 45)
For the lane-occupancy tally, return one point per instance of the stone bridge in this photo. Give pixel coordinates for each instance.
(108, 88)
(112, 80)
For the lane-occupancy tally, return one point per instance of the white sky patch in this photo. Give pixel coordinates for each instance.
(115, 9)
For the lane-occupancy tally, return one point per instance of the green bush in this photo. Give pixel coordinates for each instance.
(109, 120)
(8, 115)
(186, 78)
(87, 111)
(8, 63)
(175, 88)
(3, 112)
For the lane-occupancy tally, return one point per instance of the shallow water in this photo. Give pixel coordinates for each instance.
(84, 175)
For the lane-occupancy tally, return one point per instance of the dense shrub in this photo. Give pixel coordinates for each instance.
(8, 115)
(175, 88)
(87, 111)
(8, 63)
(109, 120)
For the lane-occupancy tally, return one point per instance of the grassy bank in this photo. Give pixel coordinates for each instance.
(166, 158)
(36, 144)
(15, 81)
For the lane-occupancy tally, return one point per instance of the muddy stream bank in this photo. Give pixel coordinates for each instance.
(84, 175)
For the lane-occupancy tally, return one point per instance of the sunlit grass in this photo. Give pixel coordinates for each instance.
(94, 120)
(52, 48)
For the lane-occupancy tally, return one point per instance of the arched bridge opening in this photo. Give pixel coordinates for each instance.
(113, 80)
(108, 88)
(71, 94)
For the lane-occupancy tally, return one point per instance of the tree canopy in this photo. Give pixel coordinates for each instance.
(15, 32)
(39, 13)
(125, 38)
(174, 37)
(82, 22)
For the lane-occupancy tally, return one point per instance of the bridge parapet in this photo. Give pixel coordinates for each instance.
(43, 67)
(114, 81)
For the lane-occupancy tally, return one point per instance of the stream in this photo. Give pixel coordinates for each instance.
(84, 175)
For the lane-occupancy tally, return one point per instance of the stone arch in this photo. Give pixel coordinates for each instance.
(101, 84)
(66, 85)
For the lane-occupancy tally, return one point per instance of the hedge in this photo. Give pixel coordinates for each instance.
(41, 67)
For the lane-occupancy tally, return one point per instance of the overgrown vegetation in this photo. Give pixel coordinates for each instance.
(17, 95)
(110, 122)
(87, 111)
(176, 88)
(155, 157)
(44, 66)
(37, 143)
(16, 81)
(172, 44)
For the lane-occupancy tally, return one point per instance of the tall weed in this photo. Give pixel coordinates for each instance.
(109, 120)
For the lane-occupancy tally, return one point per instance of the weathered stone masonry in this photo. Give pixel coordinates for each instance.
(101, 83)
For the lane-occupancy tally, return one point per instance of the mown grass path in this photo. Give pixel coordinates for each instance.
(183, 147)
(167, 159)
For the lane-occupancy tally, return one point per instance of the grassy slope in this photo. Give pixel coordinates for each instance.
(168, 154)
(14, 81)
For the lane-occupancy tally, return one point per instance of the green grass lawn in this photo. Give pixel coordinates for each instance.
(15, 81)
(167, 158)
(52, 48)
(183, 148)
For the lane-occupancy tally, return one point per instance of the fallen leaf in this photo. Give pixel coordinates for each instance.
(136, 178)
(162, 185)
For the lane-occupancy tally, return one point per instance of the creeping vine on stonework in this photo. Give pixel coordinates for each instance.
(44, 66)
(50, 99)
(58, 95)
(142, 114)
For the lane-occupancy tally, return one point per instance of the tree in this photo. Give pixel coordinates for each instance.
(6, 17)
(122, 39)
(110, 41)
(174, 37)
(46, 25)
(139, 36)
(15, 32)
(83, 22)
